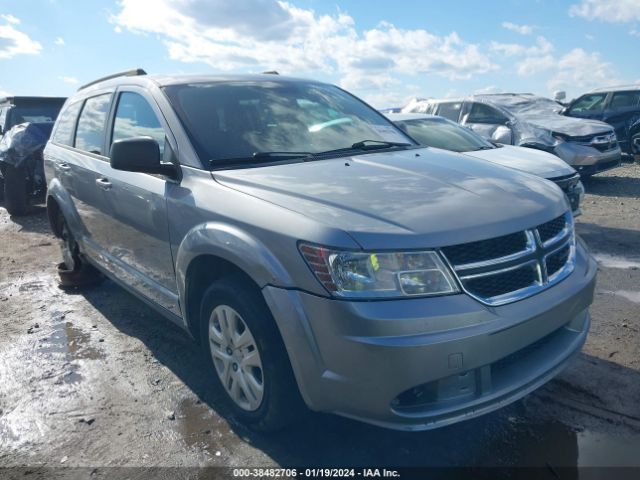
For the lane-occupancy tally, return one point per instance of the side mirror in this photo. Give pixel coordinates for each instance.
(502, 134)
(139, 154)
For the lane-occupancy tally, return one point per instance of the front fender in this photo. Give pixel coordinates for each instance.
(233, 245)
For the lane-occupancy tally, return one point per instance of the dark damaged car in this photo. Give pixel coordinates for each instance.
(617, 106)
(527, 120)
(25, 127)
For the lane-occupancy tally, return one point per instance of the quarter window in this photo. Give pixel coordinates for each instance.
(136, 118)
(66, 123)
(90, 132)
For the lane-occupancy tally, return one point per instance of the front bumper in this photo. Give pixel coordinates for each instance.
(588, 160)
(417, 364)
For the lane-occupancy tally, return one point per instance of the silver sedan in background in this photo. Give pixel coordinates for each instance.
(438, 132)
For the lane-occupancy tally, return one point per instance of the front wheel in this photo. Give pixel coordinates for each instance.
(16, 195)
(247, 356)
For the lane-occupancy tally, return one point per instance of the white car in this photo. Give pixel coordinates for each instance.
(438, 132)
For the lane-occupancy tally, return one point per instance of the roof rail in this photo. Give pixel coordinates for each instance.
(127, 73)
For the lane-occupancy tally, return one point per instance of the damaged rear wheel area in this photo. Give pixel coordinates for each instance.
(74, 271)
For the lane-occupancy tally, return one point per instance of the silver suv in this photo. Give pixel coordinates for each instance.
(317, 253)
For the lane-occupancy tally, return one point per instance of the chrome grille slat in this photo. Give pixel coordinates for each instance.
(547, 257)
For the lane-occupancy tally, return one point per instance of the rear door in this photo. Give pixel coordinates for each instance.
(137, 231)
(623, 110)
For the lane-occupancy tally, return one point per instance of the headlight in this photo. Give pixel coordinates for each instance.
(379, 274)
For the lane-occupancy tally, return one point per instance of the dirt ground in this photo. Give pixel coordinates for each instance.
(97, 379)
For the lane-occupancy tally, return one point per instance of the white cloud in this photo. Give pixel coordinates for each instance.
(14, 42)
(10, 19)
(59, 41)
(488, 89)
(634, 32)
(4, 93)
(614, 11)
(521, 29)
(71, 80)
(576, 69)
(580, 69)
(256, 35)
(541, 47)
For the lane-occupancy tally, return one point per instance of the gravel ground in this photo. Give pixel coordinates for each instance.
(97, 379)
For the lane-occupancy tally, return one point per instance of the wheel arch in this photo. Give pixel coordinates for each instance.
(212, 251)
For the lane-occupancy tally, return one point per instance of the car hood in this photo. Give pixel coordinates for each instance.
(416, 198)
(528, 160)
(573, 127)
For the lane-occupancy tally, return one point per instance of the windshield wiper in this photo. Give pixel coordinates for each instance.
(365, 145)
(257, 157)
(375, 144)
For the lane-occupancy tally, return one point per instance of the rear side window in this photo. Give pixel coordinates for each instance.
(91, 124)
(66, 124)
(136, 118)
(450, 110)
(625, 100)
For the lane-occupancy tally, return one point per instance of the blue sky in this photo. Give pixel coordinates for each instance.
(383, 51)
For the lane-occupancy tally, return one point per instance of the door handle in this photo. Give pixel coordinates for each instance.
(103, 183)
(63, 166)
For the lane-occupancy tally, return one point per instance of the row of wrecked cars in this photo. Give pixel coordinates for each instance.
(560, 142)
(566, 142)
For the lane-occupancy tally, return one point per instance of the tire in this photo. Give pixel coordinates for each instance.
(635, 144)
(259, 360)
(74, 272)
(16, 196)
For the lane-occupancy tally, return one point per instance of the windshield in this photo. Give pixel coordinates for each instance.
(528, 105)
(440, 133)
(33, 113)
(234, 120)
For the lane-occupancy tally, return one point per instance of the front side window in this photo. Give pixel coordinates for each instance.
(91, 124)
(588, 103)
(235, 120)
(450, 110)
(625, 100)
(482, 113)
(66, 123)
(135, 118)
(443, 134)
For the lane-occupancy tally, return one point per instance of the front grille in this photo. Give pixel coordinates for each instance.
(502, 283)
(557, 260)
(486, 249)
(511, 267)
(567, 183)
(550, 229)
(602, 142)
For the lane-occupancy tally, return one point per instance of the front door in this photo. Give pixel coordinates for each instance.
(137, 240)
